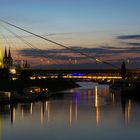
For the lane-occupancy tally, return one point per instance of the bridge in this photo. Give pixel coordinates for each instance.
(93, 74)
(113, 73)
(40, 51)
(83, 71)
(53, 79)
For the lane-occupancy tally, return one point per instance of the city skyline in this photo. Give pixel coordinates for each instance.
(106, 29)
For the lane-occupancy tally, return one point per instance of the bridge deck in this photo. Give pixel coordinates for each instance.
(86, 71)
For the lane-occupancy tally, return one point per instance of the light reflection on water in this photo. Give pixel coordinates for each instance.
(89, 112)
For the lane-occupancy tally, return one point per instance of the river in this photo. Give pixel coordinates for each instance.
(85, 113)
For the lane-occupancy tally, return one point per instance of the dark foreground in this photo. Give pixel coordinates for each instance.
(21, 90)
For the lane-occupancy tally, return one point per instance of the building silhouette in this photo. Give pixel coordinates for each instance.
(7, 59)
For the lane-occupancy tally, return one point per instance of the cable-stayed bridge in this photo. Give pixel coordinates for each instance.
(113, 70)
(4, 25)
(17, 81)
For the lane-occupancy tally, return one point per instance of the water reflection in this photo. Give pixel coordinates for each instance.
(97, 106)
(126, 109)
(76, 110)
(70, 113)
(90, 109)
(13, 114)
(80, 99)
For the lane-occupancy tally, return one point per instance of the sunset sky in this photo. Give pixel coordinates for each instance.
(105, 29)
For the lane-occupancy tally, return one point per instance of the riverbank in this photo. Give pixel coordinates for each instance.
(32, 90)
(126, 88)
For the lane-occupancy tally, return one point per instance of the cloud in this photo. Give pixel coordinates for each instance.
(133, 50)
(112, 48)
(117, 50)
(133, 44)
(132, 64)
(135, 59)
(59, 54)
(125, 37)
(64, 54)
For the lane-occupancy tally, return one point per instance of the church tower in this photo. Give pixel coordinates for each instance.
(10, 60)
(7, 59)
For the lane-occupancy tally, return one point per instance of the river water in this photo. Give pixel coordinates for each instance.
(85, 113)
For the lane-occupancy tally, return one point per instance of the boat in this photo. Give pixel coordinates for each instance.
(35, 92)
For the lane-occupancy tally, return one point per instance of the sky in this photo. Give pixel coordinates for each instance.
(105, 29)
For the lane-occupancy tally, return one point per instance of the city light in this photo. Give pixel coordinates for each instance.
(13, 70)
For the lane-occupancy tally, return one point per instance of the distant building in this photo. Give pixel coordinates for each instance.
(7, 59)
(26, 65)
(21, 64)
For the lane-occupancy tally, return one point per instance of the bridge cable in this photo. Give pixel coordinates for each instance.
(27, 43)
(73, 50)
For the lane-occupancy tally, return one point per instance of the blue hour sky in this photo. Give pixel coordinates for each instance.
(74, 15)
(84, 23)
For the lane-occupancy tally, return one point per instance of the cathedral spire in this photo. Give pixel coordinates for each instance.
(9, 54)
(7, 59)
(5, 53)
